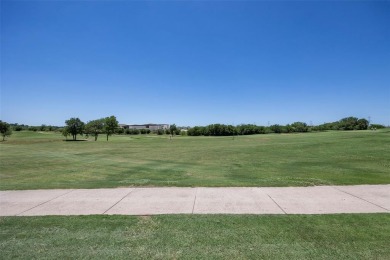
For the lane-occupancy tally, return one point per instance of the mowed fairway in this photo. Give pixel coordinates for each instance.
(44, 160)
(345, 236)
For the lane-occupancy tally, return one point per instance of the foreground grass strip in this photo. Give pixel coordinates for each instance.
(345, 236)
(31, 160)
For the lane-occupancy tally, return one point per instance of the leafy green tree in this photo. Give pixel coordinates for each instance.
(74, 126)
(5, 129)
(348, 123)
(17, 127)
(299, 127)
(94, 128)
(120, 131)
(376, 126)
(172, 129)
(276, 128)
(362, 124)
(65, 132)
(196, 131)
(110, 125)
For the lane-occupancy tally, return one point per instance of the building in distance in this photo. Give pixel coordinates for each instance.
(151, 127)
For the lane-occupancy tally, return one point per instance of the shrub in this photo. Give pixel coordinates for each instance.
(377, 126)
(120, 131)
(18, 128)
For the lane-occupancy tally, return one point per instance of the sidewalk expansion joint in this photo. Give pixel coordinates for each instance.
(43, 203)
(360, 198)
(193, 206)
(277, 204)
(119, 200)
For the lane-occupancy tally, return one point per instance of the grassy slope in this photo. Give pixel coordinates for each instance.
(43, 160)
(355, 236)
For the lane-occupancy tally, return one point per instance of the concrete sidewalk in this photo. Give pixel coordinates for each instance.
(164, 200)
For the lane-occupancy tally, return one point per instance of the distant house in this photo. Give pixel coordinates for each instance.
(151, 127)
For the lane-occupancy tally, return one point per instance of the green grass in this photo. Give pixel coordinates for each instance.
(31, 160)
(346, 236)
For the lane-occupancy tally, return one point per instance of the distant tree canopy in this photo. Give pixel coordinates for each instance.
(95, 127)
(276, 128)
(74, 126)
(5, 129)
(297, 127)
(172, 129)
(348, 123)
(376, 126)
(110, 125)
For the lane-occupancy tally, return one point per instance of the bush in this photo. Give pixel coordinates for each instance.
(18, 128)
(276, 129)
(120, 131)
(377, 126)
(196, 131)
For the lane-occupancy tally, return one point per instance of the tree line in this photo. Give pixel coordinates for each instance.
(74, 126)
(172, 130)
(348, 123)
(109, 126)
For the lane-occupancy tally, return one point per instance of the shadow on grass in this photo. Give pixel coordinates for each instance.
(82, 140)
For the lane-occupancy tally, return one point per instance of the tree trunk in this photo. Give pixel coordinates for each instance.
(107, 137)
(96, 138)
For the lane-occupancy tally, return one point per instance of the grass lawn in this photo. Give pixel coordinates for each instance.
(345, 236)
(31, 160)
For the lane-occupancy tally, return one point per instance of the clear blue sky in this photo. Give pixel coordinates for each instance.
(195, 63)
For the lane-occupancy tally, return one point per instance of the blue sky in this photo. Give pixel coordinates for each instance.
(195, 63)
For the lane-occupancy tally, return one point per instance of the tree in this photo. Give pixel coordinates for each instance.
(74, 126)
(376, 126)
(65, 132)
(94, 128)
(299, 127)
(348, 123)
(276, 128)
(196, 131)
(362, 124)
(5, 129)
(172, 129)
(110, 125)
